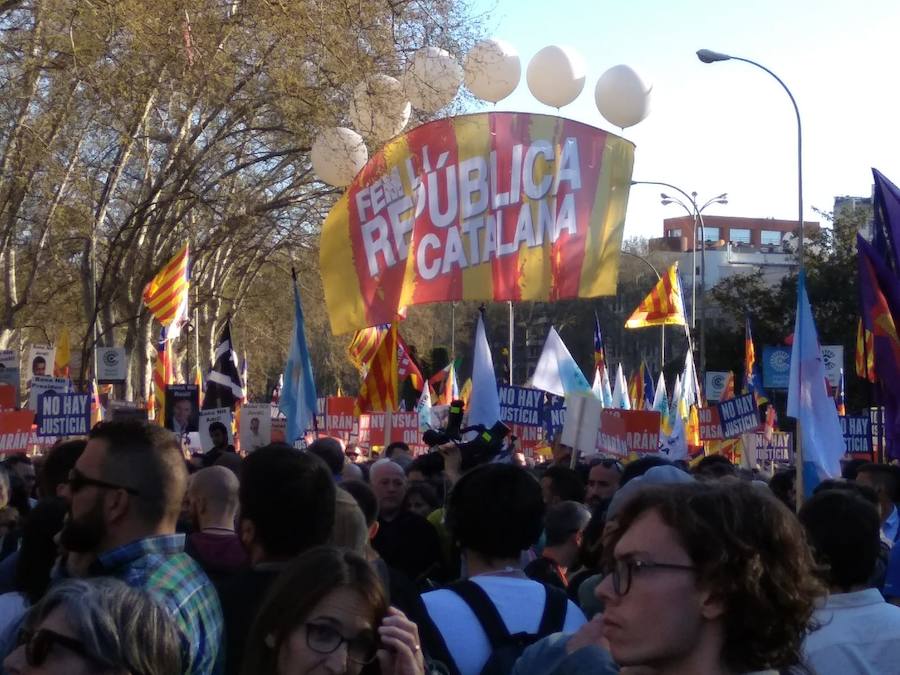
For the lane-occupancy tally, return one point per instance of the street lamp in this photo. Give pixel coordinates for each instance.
(709, 56)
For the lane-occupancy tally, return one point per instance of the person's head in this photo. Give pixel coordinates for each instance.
(4, 487)
(351, 471)
(850, 468)
(57, 465)
(354, 454)
(641, 466)
(397, 449)
(218, 434)
(564, 525)
(129, 483)
(39, 366)
(350, 530)
(603, 481)
(561, 484)
(784, 486)
(388, 482)
(96, 627)
(367, 502)
(182, 410)
(213, 497)
(714, 467)
(23, 467)
(495, 511)
(254, 425)
(421, 499)
(844, 531)
(38, 551)
(329, 450)
(883, 479)
(321, 615)
(287, 502)
(721, 572)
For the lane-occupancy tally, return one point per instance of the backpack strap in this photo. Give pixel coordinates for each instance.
(485, 611)
(556, 606)
(434, 646)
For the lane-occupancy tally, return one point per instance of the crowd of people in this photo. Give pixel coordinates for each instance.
(119, 555)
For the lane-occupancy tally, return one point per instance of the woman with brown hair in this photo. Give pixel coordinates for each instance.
(327, 613)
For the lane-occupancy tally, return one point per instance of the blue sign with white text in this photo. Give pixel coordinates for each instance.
(521, 405)
(776, 363)
(63, 414)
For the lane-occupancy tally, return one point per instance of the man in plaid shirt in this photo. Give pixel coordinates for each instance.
(125, 495)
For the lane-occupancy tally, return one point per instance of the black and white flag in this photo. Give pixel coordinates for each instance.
(224, 388)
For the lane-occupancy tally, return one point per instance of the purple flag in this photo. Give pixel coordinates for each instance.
(887, 220)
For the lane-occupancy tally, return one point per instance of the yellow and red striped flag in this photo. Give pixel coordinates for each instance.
(664, 306)
(728, 391)
(162, 374)
(166, 295)
(865, 353)
(364, 344)
(379, 390)
(63, 357)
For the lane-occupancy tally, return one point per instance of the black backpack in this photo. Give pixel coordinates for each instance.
(505, 647)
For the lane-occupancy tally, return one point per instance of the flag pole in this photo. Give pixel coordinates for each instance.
(511, 337)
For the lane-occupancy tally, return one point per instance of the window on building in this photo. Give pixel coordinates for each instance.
(739, 235)
(675, 233)
(710, 234)
(770, 238)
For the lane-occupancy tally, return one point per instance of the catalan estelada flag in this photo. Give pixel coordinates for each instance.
(728, 391)
(166, 295)
(379, 390)
(364, 344)
(407, 368)
(664, 306)
(751, 371)
(865, 353)
(162, 374)
(599, 355)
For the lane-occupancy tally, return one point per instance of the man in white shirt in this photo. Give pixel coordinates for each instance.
(883, 479)
(858, 632)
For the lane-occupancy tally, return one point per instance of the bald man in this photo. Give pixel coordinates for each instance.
(213, 505)
(406, 541)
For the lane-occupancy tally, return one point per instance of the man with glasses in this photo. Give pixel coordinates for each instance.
(603, 481)
(125, 495)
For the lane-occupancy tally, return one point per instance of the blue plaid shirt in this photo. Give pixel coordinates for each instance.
(160, 566)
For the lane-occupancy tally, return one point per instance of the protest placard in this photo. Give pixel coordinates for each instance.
(182, 405)
(9, 377)
(625, 431)
(776, 365)
(527, 437)
(710, 425)
(857, 436)
(554, 417)
(278, 424)
(255, 426)
(778, 448)
(126, 410)
(63, 414)
(112, 365)
(8, 398)
(15, 430)
(520, 405)
(339, 416)
(738, 415)
(715, 384)
(833, 358)
(41, 359)
(215, 427)
(8, 359)
(582, 422)
(42, 384)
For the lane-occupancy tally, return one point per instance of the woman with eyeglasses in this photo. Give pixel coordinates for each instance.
(94, 627)
(328, 614)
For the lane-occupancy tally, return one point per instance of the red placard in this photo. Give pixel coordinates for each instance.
(339, 416)
(710, 425)
(625, 431)
(15, 430)
(7, 397)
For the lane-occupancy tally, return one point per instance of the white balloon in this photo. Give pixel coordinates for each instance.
(556, 75)
(622, 96)
(338, 154)
(379, 109)
(493, 70)
(433, 79)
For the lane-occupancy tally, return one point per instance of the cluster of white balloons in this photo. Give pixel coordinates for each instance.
(381, 105)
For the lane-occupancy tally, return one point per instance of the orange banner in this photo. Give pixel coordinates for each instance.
(490, 206)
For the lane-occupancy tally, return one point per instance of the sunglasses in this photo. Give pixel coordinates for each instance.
(78, 481)
(38, 645)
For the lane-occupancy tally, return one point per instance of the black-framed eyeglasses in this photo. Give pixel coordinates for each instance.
(325, 639)
(39, 643)
(624, 570)
(77, 481)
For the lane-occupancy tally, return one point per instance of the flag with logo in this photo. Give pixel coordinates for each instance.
(166, 295)
(664, 306)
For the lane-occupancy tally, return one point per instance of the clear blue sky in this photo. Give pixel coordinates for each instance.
(729, 127)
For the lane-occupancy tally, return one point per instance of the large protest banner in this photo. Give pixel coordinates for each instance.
(489, 206)
(858, 436)
(404, 427)
(738, 415)
(15, 430)
(63, 414)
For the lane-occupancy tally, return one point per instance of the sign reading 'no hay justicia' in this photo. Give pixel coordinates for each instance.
(491, 206)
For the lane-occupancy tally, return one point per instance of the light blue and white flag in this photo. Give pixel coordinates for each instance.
(298, 396)
(484, 402)
(556, 370)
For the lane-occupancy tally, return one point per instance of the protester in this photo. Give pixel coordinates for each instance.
(883, 479)
(350, 472)
(350, 530)
(855, 630)
(213, 502)
(405, 540)
(603, 481)
(561, 484)
(784, 486)
(564, 525)
(713, 467)
(218, 434)
(400, 453)
(331, 451)
(495, 513)
(125, 494)
(23, 467)
(421, 499)
(327, 613)
(707, 578)
(287, 500)
(96, 627)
